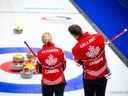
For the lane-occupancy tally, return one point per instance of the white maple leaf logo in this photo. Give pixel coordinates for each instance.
(51, 60)
(92, 51)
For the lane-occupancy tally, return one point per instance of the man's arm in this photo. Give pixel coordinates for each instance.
(63, 60)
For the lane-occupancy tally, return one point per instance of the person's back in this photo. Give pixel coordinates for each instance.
(91, 50)
(53, 64)
(51, 59)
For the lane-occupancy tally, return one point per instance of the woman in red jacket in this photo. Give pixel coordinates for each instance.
(90, 53)
(53, 66)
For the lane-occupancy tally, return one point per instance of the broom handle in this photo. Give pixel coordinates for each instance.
(118, 35)
(30, 49)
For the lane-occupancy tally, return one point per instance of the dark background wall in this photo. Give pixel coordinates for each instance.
(111, 17)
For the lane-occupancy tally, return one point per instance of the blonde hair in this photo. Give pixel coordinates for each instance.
(46, 37)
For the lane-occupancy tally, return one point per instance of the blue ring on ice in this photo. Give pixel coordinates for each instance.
(73, 84)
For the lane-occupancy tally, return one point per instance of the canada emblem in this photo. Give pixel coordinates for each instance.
(92, 51)
(51, 60)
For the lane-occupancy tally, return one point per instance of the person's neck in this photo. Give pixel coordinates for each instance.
(78, 37)
(48, 44)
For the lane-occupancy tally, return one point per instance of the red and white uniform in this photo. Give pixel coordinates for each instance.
(53, 64)
(90, 49)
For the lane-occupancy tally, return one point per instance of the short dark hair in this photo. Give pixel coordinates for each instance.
(75, 30)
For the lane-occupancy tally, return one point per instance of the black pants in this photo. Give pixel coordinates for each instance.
(95, 87)
(58, 90)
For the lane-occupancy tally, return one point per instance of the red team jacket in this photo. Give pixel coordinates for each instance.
(53, 64)
(90, 50)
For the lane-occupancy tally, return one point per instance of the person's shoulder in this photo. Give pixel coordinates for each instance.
(99, 34)
(58, 48)
(40, 52)
(59, 51)
(99, 37)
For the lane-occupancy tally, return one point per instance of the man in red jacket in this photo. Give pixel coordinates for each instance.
(90, 53)
(53, 65)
